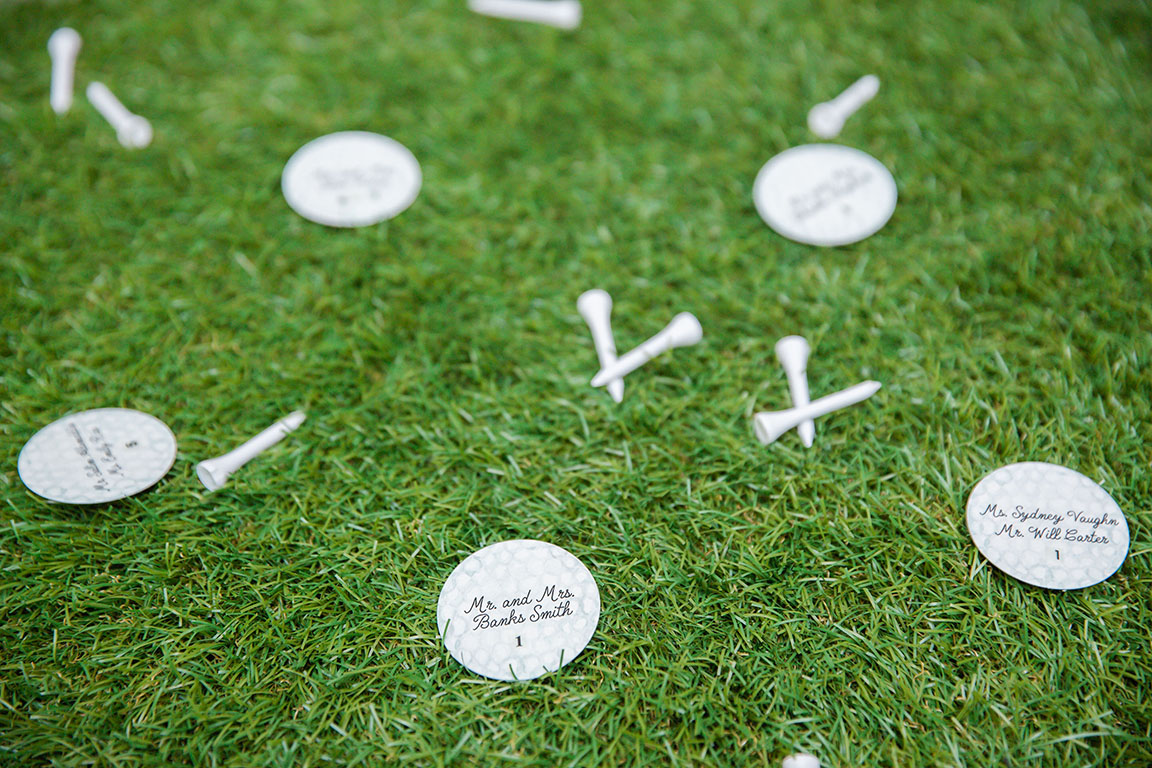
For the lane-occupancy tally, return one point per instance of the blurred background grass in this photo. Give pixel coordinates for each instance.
(757, 600)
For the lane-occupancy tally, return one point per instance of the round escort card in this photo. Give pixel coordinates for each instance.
(518, 609)
(825, 194)
(351, 179)
(1047, 525)
(97, 456)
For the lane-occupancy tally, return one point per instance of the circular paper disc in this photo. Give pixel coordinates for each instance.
(97, 456)
(825, 194)
(518, 609)
(1047, 525)
(351, 179)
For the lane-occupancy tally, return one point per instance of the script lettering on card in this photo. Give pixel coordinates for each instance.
(554, 602)
(839, 184)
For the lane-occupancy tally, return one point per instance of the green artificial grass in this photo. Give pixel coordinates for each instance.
(757, 600)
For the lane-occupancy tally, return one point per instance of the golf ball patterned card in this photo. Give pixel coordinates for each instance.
(825, 194)
(1047, 525)
(518, 609)
(351, 179)
(97, 456)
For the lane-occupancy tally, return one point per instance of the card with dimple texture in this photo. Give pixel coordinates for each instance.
(1047, 525)
(825, 194)
(97, 456)
(518, 609)
(351, 179)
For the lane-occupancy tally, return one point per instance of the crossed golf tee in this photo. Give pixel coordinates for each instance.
(792, 352)
(132, 130)
(595, 306)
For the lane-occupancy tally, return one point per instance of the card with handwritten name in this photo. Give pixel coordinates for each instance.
(518, 609)
(351, 179)
(97, 456)
(1047, 525)
(825, 194)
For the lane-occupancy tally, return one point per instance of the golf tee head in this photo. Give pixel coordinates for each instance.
(769, 425)
(568, 15)
(825, 120)
(64, 42)
(683, 331)
(594, 304)
(213, 474)
(792, 352)
(135, 133)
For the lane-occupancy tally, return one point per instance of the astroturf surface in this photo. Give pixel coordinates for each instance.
(757, 600)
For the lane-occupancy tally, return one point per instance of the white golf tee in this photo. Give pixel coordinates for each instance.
(214, 473)
(133, 131)
(769, 425)
(793, 351)
(595, 306)
(827, 118)
(63, 48)
(563, 14)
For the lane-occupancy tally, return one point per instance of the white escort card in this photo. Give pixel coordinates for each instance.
(518, 609)
(351, 179)
(825, 194)
(97, 456)
(1047, 525)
